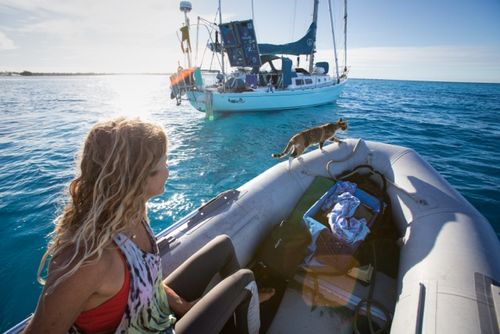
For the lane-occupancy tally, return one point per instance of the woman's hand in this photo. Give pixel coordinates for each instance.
(176, 302)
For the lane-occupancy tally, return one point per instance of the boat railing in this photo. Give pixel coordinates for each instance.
(242, 82)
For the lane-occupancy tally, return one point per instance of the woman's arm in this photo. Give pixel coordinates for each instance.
(57, 311)
(176, 302)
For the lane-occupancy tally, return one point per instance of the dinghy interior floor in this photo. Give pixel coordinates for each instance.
(285, 310)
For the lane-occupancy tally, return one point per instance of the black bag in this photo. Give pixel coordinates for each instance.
(284, 248)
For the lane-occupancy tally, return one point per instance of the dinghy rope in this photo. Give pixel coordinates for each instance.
(370, 301)
(305, 172)
(415, 198)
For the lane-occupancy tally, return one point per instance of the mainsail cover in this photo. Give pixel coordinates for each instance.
(303, 46)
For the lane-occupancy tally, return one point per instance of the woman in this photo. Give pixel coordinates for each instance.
(104, 275)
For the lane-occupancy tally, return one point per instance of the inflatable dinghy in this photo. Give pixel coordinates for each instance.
(447, 269)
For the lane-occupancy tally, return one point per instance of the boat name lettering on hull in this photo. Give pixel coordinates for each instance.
(239, 100)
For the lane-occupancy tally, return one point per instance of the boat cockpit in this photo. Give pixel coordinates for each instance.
(276, 73)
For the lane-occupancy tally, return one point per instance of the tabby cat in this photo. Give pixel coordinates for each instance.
(317, 135)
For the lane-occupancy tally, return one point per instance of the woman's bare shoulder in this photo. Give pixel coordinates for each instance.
(94, 268)
(63, 300)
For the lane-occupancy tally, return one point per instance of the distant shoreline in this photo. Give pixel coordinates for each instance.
(29, 73)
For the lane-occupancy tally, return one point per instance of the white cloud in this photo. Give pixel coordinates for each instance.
(95, 19)
(439, 63)
(423, 55)
(53, 27)
(84, 8)
(91, 35)
(6, 43)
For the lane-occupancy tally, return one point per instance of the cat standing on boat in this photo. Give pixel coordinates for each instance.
(104, 273)
(317, 135)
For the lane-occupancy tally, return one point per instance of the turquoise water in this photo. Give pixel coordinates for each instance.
(455, 126)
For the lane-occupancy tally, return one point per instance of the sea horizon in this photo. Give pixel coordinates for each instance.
(6, 73)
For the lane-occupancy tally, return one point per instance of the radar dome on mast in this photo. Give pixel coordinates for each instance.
(185, 6)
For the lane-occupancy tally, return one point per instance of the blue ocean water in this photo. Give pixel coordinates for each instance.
(43, 120)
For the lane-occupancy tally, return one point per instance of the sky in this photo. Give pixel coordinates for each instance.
(436, 40)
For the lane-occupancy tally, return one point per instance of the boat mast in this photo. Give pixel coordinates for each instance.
(186, 7)
(345, 36)
(334, 43)
(221, 42)
(197, 39)
(315, 20)
(253, 18)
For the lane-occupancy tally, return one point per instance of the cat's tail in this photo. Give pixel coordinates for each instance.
(282, 154)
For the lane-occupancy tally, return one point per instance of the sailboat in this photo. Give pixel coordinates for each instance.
(250, 85)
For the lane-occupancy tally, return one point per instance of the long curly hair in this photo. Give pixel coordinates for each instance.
(107, 193)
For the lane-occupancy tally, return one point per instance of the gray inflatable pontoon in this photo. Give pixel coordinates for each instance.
(449, 267)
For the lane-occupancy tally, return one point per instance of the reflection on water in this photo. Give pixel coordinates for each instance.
(133, 95)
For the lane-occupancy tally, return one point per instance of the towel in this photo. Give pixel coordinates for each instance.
(342, 222)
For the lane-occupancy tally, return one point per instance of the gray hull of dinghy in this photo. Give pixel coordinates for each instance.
(449, 252)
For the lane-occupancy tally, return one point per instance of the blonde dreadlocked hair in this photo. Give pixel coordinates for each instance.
(109, 192)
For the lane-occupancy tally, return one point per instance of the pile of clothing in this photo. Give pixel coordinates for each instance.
(341, 206)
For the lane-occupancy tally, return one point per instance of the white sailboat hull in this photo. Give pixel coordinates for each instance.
(263, 100)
